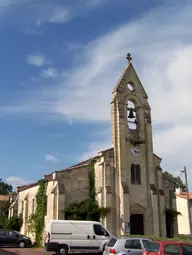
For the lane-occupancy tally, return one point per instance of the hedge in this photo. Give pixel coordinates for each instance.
(183, 238)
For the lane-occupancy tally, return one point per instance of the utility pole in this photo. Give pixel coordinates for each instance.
(188, 199)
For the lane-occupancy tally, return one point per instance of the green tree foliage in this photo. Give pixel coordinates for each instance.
(5, 188)
(4, 212)
(176, 181)
(87, 209)
(14, 223)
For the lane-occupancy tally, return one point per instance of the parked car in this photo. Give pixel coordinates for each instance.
(11, 238)
(129, 246)
(69, 236)
(168, 247)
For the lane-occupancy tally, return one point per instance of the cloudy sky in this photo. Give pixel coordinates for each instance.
(60, 60)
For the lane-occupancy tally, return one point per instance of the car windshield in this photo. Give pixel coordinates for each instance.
(153, 247)
(145, 242)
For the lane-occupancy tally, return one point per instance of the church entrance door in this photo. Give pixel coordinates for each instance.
(136, 224)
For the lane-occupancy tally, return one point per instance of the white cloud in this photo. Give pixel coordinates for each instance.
(160, 43)
(46, 12)
(63, 14)
(92, 4)
(50, 72)
(94, 148)
(17, 181)
(51, 158)
(60, 15)
(101, 142)
(36, 60)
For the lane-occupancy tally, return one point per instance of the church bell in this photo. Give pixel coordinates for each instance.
(131, 115)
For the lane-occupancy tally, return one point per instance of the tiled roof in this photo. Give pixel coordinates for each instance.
(4, 198)
(184, 195)
(82, 163)
(47, 177)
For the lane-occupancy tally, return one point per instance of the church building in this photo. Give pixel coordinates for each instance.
(128, 176)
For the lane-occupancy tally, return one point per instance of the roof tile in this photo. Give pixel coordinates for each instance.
(184, 195)
(4, 198)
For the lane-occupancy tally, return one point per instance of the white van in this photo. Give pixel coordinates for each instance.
(71, 236)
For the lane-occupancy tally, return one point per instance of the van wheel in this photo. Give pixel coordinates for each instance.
(62, 250)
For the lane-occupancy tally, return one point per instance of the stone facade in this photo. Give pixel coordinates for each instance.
(128, 176)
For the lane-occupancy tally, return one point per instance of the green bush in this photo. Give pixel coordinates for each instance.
(14, 223)
(154, 238)
(184, 238)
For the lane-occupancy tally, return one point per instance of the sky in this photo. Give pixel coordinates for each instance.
(61, 59)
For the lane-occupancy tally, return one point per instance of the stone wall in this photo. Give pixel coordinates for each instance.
(75, 185)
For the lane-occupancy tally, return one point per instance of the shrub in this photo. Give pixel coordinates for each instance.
(14, 223)
(184, 238)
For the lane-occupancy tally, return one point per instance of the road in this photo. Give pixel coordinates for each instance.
(18, 251)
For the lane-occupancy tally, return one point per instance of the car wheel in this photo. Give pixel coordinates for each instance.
(62, 250)
(22, 244)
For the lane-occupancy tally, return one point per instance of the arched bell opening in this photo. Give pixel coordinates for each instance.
(131, 115)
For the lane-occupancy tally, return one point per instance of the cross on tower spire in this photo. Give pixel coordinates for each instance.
(129, 58)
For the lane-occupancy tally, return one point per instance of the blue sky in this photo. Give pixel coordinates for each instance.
(56, 56)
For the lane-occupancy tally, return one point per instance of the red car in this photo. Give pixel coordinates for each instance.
(168, 248)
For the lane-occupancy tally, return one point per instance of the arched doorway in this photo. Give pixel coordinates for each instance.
(137, 220)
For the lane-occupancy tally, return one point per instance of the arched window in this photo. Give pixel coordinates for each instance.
(131, 115)
(33, 205)
(135, 174)
(132, 173)
(45, 204)
(138, 174)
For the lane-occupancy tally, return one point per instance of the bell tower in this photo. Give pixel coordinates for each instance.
(133, 152)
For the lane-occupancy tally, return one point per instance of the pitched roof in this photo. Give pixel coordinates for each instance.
(4, 198)
(129, 69)
(157, 156)
(49, 177)
(184, 195)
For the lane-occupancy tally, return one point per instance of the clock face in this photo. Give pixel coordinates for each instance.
(135, 151)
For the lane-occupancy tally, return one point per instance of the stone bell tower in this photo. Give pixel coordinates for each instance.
(133, 154)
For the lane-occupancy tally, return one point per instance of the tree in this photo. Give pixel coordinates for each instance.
(14, 223)
(4, 211)
(176, 181)
(5, 188)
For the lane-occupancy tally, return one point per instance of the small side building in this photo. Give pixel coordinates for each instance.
(13, 209)
(63, 188)
(181, 204)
